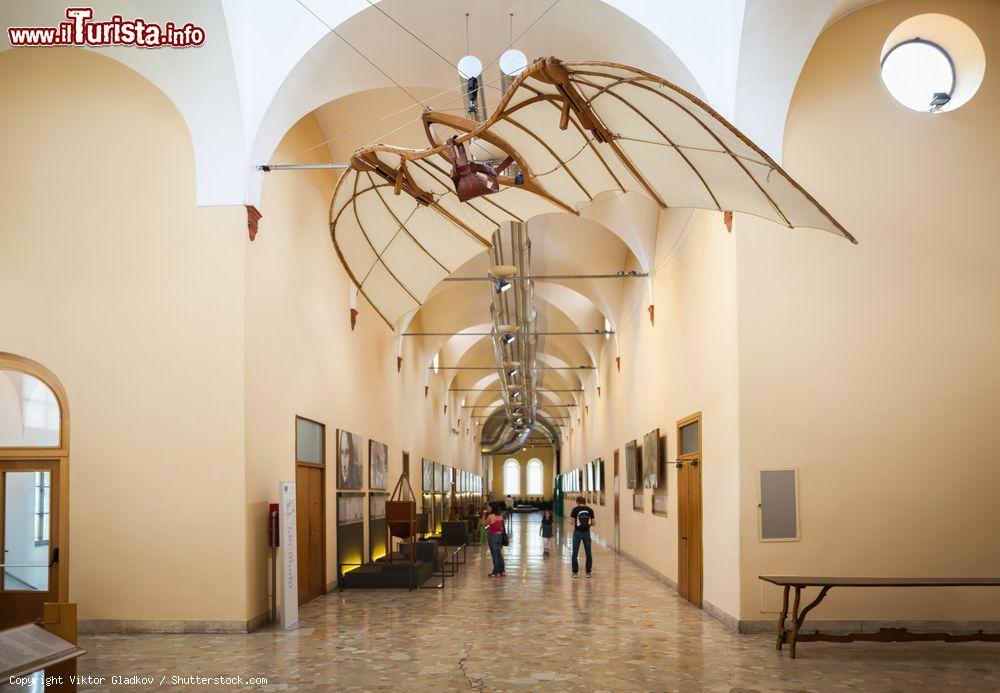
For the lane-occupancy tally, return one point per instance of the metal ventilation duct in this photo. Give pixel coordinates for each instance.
(515, 338)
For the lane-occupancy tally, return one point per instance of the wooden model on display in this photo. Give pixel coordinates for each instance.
(564, 136)
(401, 517)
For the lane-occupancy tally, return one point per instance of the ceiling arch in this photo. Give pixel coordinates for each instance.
(267, 64)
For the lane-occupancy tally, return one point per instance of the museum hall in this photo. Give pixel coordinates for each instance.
(500, 345)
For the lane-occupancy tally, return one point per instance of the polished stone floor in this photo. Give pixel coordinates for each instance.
(536, 629)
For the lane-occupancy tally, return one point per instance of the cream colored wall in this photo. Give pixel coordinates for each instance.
(186, 350)
(112, 278)
(873, 369)
(303, 359)
(684, 363)
(547, 457)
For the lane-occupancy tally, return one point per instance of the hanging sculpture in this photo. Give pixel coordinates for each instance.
(573, 134)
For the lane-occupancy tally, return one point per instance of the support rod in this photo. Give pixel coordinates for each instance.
(619, 275)
(493, 368)
(484, 389)
(494, 406)
(490, 334)
(301, 167)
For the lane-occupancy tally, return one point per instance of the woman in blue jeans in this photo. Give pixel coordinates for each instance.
(494, 537)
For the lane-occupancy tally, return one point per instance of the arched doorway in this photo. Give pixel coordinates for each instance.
(34, 488)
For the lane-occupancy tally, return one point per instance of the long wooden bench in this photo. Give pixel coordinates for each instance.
(794, 634)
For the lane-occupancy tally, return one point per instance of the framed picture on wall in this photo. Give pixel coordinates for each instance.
(631, 464)
(638, 501)
(651, 458)
(378, 464)
(427, 475)
(350, 467)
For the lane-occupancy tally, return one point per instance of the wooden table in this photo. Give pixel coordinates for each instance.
(794, 634)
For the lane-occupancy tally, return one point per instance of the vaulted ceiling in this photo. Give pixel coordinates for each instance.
(268, 63)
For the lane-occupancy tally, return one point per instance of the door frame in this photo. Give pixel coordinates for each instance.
(10, 457)
(689, 464)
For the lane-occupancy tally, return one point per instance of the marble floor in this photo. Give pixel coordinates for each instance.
(535, 629)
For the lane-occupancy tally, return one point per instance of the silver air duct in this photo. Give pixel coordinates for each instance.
(514, 334)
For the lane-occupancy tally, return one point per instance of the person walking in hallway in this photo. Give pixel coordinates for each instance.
(582, 518)
(546, 531)
(495, 533)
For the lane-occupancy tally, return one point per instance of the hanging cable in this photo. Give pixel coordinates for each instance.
(424, 43)
(358, 51)
(526, 30)
(417, 101)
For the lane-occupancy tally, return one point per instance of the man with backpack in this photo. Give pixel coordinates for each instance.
(583, 519)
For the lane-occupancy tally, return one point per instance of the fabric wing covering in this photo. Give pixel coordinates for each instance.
(575, 131)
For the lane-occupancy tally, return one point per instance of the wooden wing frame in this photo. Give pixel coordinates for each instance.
(575, 130)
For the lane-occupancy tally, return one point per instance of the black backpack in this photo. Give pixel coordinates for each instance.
(583, 520)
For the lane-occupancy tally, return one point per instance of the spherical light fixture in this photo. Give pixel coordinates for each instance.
(513, 62)
(470, 66)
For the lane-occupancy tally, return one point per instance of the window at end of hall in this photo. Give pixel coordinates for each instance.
(511, 477)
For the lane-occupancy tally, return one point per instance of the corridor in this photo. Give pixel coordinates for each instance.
(620, 631)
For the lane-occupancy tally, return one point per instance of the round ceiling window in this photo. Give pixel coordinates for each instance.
(920, 74)
(932, 63)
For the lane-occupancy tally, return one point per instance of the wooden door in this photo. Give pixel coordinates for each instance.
(689, 530)
(29, 532)
(616, 539)
(689, 517)
(311, 531)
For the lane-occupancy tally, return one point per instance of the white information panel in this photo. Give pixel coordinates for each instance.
(289, 555)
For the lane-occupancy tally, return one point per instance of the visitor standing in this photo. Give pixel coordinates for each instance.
(495, 533)
(482, 527)
(546, 531)
(583, 519)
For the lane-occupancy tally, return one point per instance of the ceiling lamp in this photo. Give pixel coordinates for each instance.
(470, 76)
(512, 63)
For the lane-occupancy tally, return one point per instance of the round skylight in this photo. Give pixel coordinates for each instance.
(919, 74)
(932, 63)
